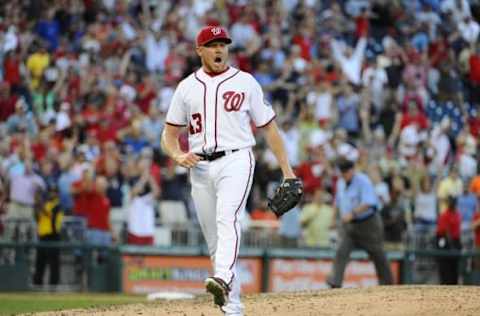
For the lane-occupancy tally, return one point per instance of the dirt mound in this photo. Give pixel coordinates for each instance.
(382, 301)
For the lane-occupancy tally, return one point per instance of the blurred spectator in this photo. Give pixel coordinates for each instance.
(141, 211)
(469, 30)
(316, 167)
(449, 186)
(133, 139)
(244, 34)
(396, 213)
(3, 200)
(381, 187)
(350, 61)
(348, 103)
(22, 120)
(425, 205)
(7, 101)
(466, 146)
(440, 145)
(448, 238)
(152, 126)
(467, 206)
(49, 28)
(157, 47)
(291, 137)
(474, 186)
(474, 74)
(476, 231)
(458, 8)
(316, 218)
(83, 192)
(36, 64)
(98, 216)
(321, 99)
(49, 218)
(65, 180)
(24, 192)
(290, 229)
(375, 79)
(116, 182)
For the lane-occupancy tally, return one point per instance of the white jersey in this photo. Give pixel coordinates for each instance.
(217, 110)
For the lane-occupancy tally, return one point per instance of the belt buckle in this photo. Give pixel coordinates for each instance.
(208, 156)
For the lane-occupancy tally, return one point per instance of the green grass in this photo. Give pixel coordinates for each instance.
(13, 304)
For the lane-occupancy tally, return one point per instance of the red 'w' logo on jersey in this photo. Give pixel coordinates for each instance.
(233, 100)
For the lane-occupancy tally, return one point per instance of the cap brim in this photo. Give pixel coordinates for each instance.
(225, 40)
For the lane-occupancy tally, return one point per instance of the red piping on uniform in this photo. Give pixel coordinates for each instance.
(274, 116)
(177, 125)
(204, 112)
(236, 217)
(216, 97)
(214, 74)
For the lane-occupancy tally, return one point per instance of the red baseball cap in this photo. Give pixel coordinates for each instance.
(212, 33)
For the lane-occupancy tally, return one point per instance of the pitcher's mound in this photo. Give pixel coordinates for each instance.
(381, 301)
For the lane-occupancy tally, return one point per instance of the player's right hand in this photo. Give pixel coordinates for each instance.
(187, 160)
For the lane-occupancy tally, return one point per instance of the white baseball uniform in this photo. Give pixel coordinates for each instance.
(217, 111)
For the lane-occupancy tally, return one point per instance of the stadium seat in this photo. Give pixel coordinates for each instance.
(172, 213)
(162, 236)
(19, 230)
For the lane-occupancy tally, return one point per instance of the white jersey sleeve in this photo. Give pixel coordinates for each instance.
(177, 111)
(261, 110)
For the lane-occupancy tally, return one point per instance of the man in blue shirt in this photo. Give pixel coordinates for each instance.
(361, 226)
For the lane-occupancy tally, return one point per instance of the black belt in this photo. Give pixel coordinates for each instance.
(361, 220)
(215, 155)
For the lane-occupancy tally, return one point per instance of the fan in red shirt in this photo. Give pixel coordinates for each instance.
(7, 101)
(146, 94)
(81, 190)
(303, 40)
(91, 202)
(11, 69)
(474, 63)
(476, 230)
(362, 24)
(413, 115)
(99, 208)
(313, 170)
(448, 238)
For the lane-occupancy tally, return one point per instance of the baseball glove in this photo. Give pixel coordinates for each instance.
(286, 196)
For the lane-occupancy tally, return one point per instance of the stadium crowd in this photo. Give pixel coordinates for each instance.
(392, 85)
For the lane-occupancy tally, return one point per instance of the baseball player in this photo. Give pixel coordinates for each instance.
(216, 104)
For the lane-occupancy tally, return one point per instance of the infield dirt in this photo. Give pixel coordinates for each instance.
(381, 301)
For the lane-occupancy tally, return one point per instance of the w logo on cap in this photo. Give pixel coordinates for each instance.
(216, 31)
(211, 33)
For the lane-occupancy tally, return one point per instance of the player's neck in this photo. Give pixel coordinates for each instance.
(212, 73)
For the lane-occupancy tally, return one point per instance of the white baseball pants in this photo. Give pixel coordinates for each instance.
(220, 189)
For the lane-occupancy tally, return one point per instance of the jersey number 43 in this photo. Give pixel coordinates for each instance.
(195, 125)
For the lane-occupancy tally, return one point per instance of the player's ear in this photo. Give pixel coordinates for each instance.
(199, 50)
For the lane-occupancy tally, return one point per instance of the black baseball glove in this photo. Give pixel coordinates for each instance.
(286, 196)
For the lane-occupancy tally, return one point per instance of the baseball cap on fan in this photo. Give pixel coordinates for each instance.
(212, 33)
